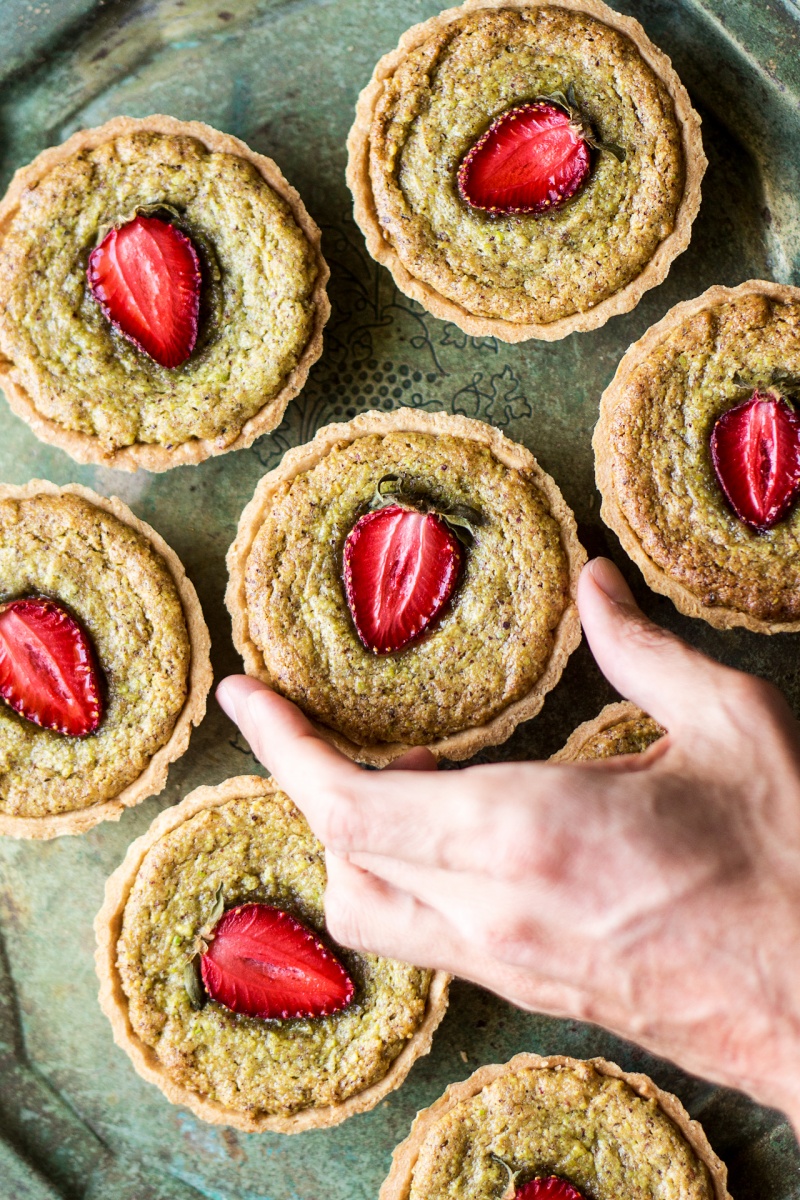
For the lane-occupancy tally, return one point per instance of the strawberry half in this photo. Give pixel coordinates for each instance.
(146, 278)
(550, 1188)
(48, 668)
(400, 569)
(263, 963)
(531, 158)
(755, 450)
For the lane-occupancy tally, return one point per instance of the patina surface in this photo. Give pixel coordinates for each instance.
(284, 75)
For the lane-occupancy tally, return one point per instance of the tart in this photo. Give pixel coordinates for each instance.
(526, 168)
(408, 579)
(556, 1128)
(123, 371)
(620, 728)
(697, 454)
(244, 846)
(104, 659)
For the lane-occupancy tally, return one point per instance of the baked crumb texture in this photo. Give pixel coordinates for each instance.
(256, 849)
(126, 598)
(492, 643)
(654, 462)
(440, 99)
(257, 307)
(572, 1121)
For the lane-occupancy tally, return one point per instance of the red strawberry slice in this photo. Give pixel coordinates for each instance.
(400, 569)
(146, 278)
(531, 158)
(550, 1188)
(48, 668)
(755, 449)
(264, 963)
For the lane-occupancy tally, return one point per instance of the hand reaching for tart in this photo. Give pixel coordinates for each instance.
(655, 894)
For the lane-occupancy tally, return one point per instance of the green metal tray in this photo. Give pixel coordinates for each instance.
(76, 1122)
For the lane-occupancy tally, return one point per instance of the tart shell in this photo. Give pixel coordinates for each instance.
(611, 715)
(398, 1183)
(358, 178)
(114, 1003)
(469, 741)
(87, 448)
(684, 600)
(154, 777)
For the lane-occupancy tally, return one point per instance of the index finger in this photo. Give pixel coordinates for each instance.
(492, 820)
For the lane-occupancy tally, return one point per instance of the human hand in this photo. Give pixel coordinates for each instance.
(657, 894)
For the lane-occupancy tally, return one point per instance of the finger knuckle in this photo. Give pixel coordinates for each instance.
(343, 919)
(505, 937)
(340, 826)
(526, 850)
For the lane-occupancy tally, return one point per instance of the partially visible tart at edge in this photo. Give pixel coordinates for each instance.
(244, 842)
(67, 368)
(539, 274)
(620, 728)
(498, 645)
(609, 1134)
(654, 466)
(129, 593)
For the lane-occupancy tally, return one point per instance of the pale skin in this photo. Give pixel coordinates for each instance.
(655, 894)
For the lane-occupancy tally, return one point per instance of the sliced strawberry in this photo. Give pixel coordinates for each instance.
(531, 158)
(755, 449)
(549, 1188)
(263, 963)
(400, 569)
(48, 668)
(146, 278)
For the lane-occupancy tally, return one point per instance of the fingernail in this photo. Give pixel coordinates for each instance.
(609, 579)
(225, 700)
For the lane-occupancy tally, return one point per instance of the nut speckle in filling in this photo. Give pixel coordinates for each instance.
(256, 308)
(255, 850)
(123, 594)
(659, 435)
(593, 1130)
(442, 98)
(626, 737)
(492, 641)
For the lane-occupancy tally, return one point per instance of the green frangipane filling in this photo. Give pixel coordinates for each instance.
(590, 1129)
(256, 309)
(256, 850)
(125, 597)
(530, 268)
(493, 640)
(626, 737)
(664, 480)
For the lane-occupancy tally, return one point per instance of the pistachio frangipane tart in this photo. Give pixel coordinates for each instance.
(407, 578)
(697, 456)
(555, 1129)
(526, 168)
(222, 985)
(620, 728)
(162, 294)
(104, 659)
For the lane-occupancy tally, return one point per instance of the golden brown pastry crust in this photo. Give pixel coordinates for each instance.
(114, 1003)
(358, 178)
(86, 448)
(154, 777)
(568, 633)
(607, 718)
(656, 578)
(398, 1183)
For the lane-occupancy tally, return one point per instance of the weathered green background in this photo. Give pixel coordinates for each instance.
(76, 1121)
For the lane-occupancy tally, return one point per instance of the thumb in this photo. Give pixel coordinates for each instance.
(646, 664)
